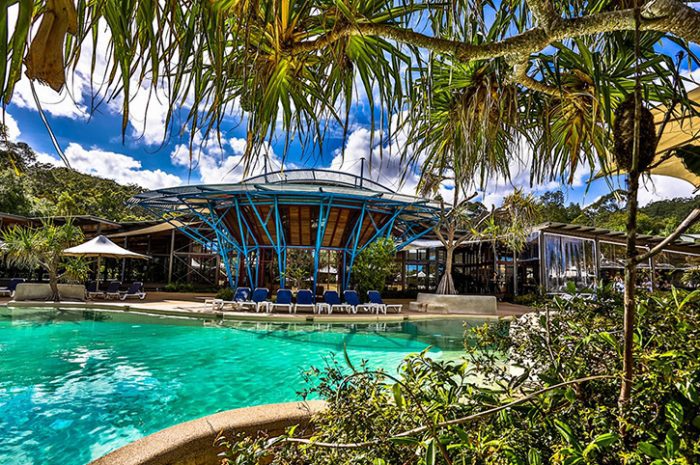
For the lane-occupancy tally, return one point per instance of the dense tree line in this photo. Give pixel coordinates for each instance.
(29, 188)
(609, 212)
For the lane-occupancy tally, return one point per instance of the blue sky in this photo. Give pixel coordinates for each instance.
(93, 143)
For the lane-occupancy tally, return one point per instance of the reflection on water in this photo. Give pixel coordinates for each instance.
(77, 384)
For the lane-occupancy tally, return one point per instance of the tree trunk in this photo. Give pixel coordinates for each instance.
(630, 288)
(447, 285)
(53, 283)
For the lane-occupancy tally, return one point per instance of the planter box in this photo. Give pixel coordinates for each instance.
(42, 291)
(459, 304)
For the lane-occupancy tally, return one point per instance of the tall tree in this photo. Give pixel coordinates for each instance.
(29, 247)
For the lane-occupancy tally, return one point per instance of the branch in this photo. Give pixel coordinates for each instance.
(544, 13)
(456, 421)
(667, 16)
(520, 76)
(690, 220)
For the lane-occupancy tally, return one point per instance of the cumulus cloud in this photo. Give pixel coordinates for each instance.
(123, 169)
(214, 161)
(663, 187)
(11, 127)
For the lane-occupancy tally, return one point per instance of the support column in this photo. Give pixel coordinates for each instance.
(171, 256)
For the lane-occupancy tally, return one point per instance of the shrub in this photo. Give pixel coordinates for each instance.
(225, 293)
(557, 403)
(373, 266)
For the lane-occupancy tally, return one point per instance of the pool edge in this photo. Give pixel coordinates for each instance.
(193, 442)
(241, 316)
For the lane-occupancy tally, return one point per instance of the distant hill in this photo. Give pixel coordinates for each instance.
(34, 189)
(608, 212)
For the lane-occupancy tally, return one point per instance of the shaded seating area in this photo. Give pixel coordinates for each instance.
(9, 290)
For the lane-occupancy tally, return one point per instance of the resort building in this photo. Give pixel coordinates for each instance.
(253, 233)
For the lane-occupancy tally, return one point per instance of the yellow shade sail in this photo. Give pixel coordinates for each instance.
(678, 150)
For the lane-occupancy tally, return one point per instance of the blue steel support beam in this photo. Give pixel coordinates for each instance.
(323, 213)
(353, 253)
(281, 245)
(244, 243)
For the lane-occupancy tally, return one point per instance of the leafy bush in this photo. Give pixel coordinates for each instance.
(179, 287)
(373, 266)
(557, 402)
(225, 293)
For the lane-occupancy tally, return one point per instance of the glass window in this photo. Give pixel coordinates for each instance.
(569, 260)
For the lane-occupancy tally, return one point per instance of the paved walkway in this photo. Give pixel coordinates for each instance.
(192, 305)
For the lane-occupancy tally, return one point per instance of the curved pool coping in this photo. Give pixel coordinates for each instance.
(193, 442)
(215, 315)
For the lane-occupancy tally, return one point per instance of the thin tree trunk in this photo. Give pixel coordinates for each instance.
(630, 288)
(53, 283)
(447, 285)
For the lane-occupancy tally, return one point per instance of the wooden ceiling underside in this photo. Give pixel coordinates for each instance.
(299, 225)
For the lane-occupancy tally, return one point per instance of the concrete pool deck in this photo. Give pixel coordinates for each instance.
(191, 305)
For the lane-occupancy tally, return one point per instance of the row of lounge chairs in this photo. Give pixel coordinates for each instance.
(257, 300)
(135, 290)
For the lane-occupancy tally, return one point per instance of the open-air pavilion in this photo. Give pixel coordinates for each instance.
(253, 224)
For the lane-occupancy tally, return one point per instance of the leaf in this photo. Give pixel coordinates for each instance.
(534, 457)
(650, 449)
(404, 441)
(674, 414)
(567, 433)
(398, 396)
(672, 443)
(430, 453)
(599, 442)
(690, 392)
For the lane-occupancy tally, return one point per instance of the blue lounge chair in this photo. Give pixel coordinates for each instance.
(258, 300)
(135, 290)
(352, 300)
(92, 291)
(305, 300)
(375, 300)
(9, 290)
(284, 299)
(242, 294)
(112, 291)
(331, 302)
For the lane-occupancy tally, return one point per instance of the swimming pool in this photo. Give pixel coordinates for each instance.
(75, 385)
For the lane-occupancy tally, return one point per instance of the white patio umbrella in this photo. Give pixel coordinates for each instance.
(100, 247)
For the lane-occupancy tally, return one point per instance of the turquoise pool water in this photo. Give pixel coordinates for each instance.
(76, 385)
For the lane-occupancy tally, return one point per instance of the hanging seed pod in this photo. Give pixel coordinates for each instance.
(623, 132)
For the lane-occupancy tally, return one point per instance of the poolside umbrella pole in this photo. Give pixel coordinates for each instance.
(101, 247)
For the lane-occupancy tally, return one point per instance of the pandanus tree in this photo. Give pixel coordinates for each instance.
(34, 247)
(291, 67)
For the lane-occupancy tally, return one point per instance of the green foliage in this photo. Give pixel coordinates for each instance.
(555, 402)
(28, 247)
(14, 195)
(75, 269)
(225, 293)
(374, 266)
(300, 264)
(34, 189)
(179, 287)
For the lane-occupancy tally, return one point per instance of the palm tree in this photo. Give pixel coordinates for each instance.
(28, 247)
(290, 66)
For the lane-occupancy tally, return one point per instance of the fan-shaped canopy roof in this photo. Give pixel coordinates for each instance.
(100, 246)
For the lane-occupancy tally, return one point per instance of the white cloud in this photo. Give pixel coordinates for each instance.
(663, 187)
(11, 126)
(217, 162)
(119, 167)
